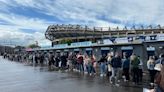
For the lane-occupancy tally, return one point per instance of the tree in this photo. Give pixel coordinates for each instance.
(66, 41)
(33, 46)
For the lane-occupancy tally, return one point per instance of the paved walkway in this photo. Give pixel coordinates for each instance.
(17, 77)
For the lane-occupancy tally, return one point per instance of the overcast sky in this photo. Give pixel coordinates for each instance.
(23, 22)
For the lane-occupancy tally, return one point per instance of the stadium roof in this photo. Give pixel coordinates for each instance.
(59, 32)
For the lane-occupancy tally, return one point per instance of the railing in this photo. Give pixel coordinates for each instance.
(89, 28)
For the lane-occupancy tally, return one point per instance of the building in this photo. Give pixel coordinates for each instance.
(6, 49)
(144, 42)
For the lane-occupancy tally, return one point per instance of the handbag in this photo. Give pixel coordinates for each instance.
(158, 66)
(109, 68)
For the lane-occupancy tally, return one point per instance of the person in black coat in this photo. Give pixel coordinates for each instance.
(116, 64)
(103, 62)
(63, 59)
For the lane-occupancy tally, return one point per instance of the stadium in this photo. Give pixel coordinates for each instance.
(101, 40)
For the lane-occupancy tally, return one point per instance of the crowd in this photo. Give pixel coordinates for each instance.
(116, 68)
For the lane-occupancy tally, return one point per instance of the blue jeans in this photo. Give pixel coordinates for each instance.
(90, 69)
(158, 89)
(115, 74)
(80, 67)
(102, 68)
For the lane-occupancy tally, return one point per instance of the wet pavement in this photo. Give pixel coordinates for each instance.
(17, 77)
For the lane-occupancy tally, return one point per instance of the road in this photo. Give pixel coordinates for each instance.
(18, 77)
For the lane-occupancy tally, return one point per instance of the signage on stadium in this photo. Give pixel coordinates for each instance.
(121, 40)
(88, 49)
(61, 46)
(66, 50)
(160, 37)
(105, 48)
(150, 48)
(79, 44)
(131, 38)
(151, 38)
(127, 48)
(76, 49)
(107, 41)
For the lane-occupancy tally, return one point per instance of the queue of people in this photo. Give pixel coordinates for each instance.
(116, 68)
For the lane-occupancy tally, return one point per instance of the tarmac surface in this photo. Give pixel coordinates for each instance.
(18, 77)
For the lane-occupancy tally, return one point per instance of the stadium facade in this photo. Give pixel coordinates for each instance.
(101, 40)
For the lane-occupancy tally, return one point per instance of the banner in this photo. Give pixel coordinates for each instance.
(79, 44)
(88, 49)
(150, 48)
(107, 41)
(121, 40)
(151, 38)
(126, 48)
(105, 48)
(160, 37)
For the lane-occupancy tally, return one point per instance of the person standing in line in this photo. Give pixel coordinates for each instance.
(102, 63)
(93, 62)
(46, 58)
(33, 59)
(41, 59)
(159, 71)
(140, 69)
(116, 64)
(86, 67)
(74, 62)
(150, 66)
(27, 58)
(159, 80)
(30, 58)
(158, 62)
(89, 61)
(36, 58)
(51, 60)
(57, 60)
(15, 57)
(86, 64)
(90, 65)
(126, 67)
(19, 57)
(70, 61)
(80, 61)
(63, 60)
(4, 55)
(109, 59)
(135, 68)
